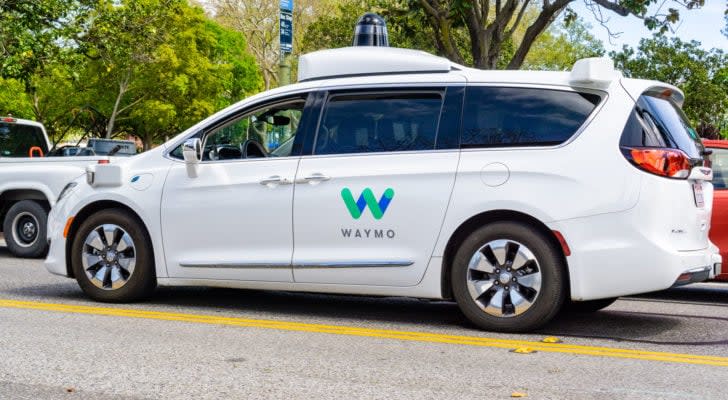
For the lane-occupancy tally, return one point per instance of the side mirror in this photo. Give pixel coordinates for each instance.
(192, 151)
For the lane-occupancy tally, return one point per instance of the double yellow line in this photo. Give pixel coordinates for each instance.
(522, 345)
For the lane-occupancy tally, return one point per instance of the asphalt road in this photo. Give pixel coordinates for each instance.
(217, 343)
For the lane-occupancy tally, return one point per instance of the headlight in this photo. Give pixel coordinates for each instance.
(66, 190)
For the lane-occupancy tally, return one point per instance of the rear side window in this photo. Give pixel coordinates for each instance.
(720, 168)
(506, 117)
(16, 140)
(659, 122)
(370, 123)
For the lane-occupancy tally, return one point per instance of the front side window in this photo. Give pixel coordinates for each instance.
(268, 131)
(16, 140)
(719, 160)
(508, 117)
(370, 123)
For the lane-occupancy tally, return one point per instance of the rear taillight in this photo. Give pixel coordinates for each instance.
(670, 163)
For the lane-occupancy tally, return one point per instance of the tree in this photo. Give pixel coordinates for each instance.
(336, 28)
(561, 45)
(258, 21)
(30, 32)
(186, 67)
(701, 74)
(118, 56)
(491, 25)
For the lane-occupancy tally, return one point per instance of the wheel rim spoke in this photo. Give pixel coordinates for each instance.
(479, 262)
(519, 302)
(478, 288)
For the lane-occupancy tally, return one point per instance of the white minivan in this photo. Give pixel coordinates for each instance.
(392, 172)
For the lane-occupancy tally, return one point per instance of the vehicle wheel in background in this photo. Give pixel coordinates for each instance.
(24, 229)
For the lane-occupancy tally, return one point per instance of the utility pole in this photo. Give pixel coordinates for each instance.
(286, 39)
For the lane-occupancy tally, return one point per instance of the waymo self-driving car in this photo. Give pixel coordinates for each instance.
(398, 173)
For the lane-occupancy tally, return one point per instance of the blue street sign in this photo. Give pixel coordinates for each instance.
(286, 30)
(287, 5)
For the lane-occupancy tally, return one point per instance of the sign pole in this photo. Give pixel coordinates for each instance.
(286, 40)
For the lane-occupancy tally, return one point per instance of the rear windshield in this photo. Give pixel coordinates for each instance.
(659, 122)
(16, 140)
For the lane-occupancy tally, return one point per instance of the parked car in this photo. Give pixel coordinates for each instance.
(394, 172)
(30, 183)
(719, 224)
(70, 151)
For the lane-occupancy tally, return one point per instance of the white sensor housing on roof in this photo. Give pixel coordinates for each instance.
(596, 71)
(353, 61)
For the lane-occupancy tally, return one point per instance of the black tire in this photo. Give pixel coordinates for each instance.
(589, 306)
(141, 282)
(25, 228)
(550, 297)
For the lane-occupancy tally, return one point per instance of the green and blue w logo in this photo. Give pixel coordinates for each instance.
(356, 207)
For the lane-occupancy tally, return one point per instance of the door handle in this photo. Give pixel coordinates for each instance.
(314, 178)
(274, 180)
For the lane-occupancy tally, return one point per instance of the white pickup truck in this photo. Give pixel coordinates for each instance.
(30, 184)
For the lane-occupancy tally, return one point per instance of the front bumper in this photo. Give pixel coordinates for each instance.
(55, 261)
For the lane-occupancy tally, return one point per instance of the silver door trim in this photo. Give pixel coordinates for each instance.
(308, 265)
(240, 265)
(354, 264)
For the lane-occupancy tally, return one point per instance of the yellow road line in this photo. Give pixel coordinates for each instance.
(376, 333)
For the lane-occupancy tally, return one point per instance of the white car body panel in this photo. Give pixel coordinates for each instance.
(624, 237)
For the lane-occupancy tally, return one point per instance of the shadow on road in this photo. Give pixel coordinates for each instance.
(662, 328)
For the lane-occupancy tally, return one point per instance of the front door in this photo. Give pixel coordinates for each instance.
(232, 218)
(371, 199)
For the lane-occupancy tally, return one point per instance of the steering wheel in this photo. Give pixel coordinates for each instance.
(251, 148)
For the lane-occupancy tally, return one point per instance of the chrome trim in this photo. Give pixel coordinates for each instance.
(311, 265)
(354, 264)
(237, 265)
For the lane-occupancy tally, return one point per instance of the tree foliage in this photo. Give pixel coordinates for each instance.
(561, 45)
(144, 67)
(492, 25)
(258, 21)
(701, 74)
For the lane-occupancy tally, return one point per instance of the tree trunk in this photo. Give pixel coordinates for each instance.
(123, 87)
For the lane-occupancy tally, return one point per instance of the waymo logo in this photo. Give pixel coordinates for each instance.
(367, 199)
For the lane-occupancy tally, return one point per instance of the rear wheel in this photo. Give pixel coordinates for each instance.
(112, 257)
(588, 306)
(507, 277)
(25, 229)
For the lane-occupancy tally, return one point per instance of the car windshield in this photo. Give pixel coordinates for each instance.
(17, 140)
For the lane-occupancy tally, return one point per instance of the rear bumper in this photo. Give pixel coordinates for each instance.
(613, 255)
(717, 264)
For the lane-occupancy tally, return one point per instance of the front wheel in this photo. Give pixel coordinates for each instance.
(25, 229)
(508, 277)
(112, 257)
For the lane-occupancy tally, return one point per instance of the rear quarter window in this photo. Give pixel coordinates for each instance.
(509, 117)
(658, 122)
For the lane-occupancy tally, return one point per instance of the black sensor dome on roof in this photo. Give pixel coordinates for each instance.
(371, 30)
